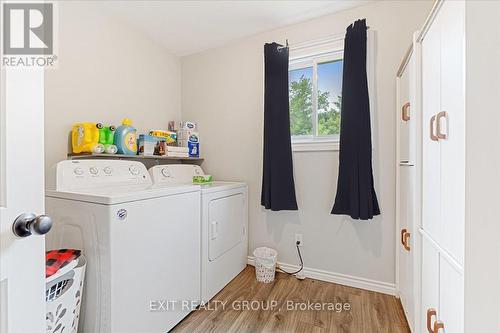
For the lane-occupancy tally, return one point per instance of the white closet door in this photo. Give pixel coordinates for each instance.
(404, 126)
(451, 296)
(431, 162)
(430, 281)
(453, 148)
(406, 214)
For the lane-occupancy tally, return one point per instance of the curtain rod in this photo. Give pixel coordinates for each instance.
(313, 42)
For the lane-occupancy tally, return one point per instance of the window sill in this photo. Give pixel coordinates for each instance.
(316, 145)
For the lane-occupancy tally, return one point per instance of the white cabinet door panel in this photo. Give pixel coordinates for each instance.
(453, 148)
(404, 126)
(226, 218)
(430, 279)
(451, 296)
(431, 164)
(406, 213)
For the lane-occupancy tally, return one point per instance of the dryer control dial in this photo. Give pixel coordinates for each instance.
(78, 171)
(134, 170)
(165, 173)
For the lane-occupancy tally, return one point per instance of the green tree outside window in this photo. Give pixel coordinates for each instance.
(301, 113)
(304, 110)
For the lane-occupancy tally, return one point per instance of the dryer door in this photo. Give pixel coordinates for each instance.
(226, 218)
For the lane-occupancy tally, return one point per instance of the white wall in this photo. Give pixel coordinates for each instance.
(482, 227)
(106, 71)
(222, 90)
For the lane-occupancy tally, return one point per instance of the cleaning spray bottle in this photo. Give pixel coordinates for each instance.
(126, 138)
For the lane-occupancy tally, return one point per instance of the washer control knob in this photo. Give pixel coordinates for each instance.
(107, 170)
(94, 170)
(78, 171)
(165, 173)
(134, 170)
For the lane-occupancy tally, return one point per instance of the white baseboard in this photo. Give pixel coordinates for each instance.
(343, 279)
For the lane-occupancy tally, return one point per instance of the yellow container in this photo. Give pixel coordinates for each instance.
(85, 137)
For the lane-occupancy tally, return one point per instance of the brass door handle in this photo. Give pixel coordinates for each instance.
(403, 232)
(438, 325)
(433, 136)
(405, 111)
(439, 134)
(430, 313)
(406, 236)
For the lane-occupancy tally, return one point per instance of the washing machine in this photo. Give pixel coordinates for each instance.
(142, 244)
(224, 225)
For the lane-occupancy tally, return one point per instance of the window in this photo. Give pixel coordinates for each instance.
(315, 87)
(315, 92)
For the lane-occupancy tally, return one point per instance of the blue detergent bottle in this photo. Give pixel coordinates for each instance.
(126, 138)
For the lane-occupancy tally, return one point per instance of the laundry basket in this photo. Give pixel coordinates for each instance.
(265, 264)
(63, 293)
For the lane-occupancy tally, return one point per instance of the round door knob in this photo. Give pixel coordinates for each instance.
(28, 224)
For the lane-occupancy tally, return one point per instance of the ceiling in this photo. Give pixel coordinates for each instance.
(187, 27)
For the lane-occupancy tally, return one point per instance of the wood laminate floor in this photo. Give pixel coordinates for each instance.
(247, 306)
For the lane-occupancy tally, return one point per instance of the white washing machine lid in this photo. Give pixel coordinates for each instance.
(121, 194)
(109, 182)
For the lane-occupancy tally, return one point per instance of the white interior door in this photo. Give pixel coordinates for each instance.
(430, 284)
(406, 214)
(406, 192)
(431, 106)
(453, 147)
(404, 123)
(451, 295)
(22, 259)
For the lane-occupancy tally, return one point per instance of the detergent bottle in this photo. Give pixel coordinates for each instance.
(85, 138)
(126, 138)
(107, 138)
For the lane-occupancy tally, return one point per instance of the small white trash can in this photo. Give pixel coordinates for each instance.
(265, 264)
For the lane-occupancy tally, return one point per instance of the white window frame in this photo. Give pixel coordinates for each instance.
(321, 142)
(321, 50)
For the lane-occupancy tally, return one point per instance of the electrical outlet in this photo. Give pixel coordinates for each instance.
(299, 239)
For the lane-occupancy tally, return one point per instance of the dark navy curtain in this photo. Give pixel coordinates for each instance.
(278, 188)
(355, 192)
